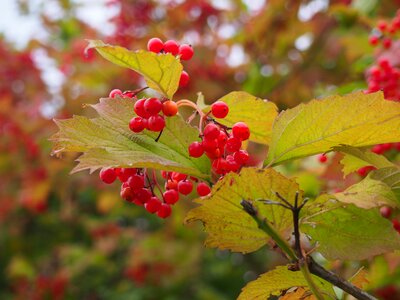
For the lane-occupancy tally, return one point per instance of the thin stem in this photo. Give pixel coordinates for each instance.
(283, 200)
(185, 102)
(265, 226)
(311, 284)
(159, 135)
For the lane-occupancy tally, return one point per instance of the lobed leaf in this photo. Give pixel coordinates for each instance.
(107, 141)
(257, 113)
(347, 232)
(278, 280)
(228, 225)
(355, 158)
(356, 120)
(161, 72)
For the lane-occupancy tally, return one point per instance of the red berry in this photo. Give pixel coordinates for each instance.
(241, 156)
(215, 153)
(211, 131)
(186, 52)
(231, 164)
(373, 40)
(196, 149)
(365, 170)
(322, 158)
(219, 166)
(385, 211)
(136, 182)
(165, 174)
(184, 79)
(219, 109)
(241, 131)
(153, 205)
(126, 193)
(114, 93)
(171, 185)
(396, 225)
(139, 108)
(185, 187)
(171, 196)
(172, 47)
(210, 145)
(156, 123)
(378, 149)
(203, 189)
(124, 173)
(169, 108)
(155, 45)
(164, 211)
(152, 106)
(386, 43)
(178, 176)
(233, 144)
(382, 25)
(137, 124)
(108, 175)
(142, 194)
(222, 138)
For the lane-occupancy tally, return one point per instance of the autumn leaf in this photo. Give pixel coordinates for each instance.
(161, 72)
(257, 113)
(107, 141)
(356, 120)
(346, 232)
(355, 158)
(276, 281)
(228, 225)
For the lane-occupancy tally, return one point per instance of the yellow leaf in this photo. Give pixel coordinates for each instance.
(356, 120)
(228, 225)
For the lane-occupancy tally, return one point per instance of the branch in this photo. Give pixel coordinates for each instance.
(341, 283)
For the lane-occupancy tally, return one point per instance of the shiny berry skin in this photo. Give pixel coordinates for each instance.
(211, 131)
(152, 106)
(108, 175)
(171, 196)
(231, 164)
(156, 123)
(241, 131)
(215, 153)
(322, 158)
(196, 149)
(209, 145)
(142, 194)
(115, 93)
(124, 173)
(203, 189)
(169, 108)
(155, 45)
(219, 166)
(184, 79)
(219, 109)
(373, 40)
(186, 52)
(172, 47)
(164, 211)
(139, 108)
(137, 124)
(153, 205)
(386, 43)
(222, 138)
(241, 157)
(365, 170)
(233, 144)
(171, 185)
(385, 211)
(136, 182)
(185, 187)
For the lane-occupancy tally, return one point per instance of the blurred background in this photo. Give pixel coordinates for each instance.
(70, 236)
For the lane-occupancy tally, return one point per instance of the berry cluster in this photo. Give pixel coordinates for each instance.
(385, 77)
(139, 189)
(222, 147)
(184, 52)
(385, 32)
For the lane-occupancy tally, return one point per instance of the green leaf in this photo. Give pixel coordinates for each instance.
(347, 232)
(161, 71)
(356, 120)
(276, 281)
(355, 159)
(380, 187)
(106, 141)
(257, 113)
(228, 225)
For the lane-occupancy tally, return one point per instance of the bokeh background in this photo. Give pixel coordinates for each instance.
(70, 236)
